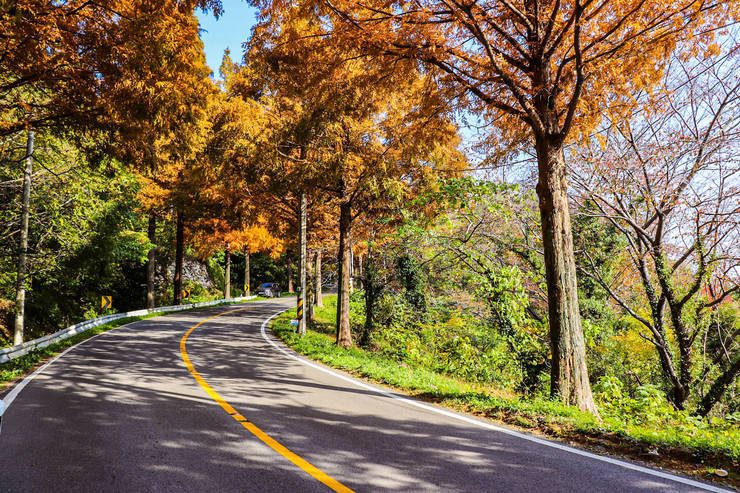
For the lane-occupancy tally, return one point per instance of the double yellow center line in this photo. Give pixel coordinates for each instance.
(267, 439)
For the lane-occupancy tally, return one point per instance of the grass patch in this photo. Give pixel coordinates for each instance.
(683, 448)
(19, 367)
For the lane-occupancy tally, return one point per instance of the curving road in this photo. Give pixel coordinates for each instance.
(156, 406)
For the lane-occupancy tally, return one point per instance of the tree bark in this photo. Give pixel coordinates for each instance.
(310, 274)
(351, 268)
(151, 259)
(289, 268)
(227, 276)
(20, 287)
(360, 282)
(681, 389)
(302, 252)
(246, 271)
(344, 335)
(657, 307)
(318, 295)
(719, 387)
(179, 257)
(569, 373)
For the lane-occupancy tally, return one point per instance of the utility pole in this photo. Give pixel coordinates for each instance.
(246, 270)
(318, 295)
(227, 276)
(20, 292)
(301, 313)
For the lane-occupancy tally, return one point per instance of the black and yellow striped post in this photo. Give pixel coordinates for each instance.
(302, 263)
(299, 312)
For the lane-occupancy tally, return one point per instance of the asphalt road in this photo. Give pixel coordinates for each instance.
(123, 412)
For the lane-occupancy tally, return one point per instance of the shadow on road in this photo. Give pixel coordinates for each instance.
(122, 413)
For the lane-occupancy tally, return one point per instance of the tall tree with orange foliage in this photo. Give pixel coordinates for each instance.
(169, 83)
(174, 181)
(64, 62)
(272, 173)
(540, 71)
(213, 235)
(84, 65)
(364, 135)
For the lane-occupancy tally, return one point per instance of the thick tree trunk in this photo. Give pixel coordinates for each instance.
(246, 271)
(569, 375)
(318, 295)
(151, 258)
(302, 252)
(227, 276)
(179, 257)
(20, 286)
(344, 335)
(289, 269)
(719, 387)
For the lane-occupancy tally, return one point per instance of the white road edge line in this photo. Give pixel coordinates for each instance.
(19, 387)
(291, 354)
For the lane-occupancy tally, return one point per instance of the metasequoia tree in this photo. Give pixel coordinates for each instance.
(178, 184)
(20, 289)
(363, 135)
(63, 62)
(73, 65)
(539, 71)
(168, 81)
(214, 235)
(667, 178)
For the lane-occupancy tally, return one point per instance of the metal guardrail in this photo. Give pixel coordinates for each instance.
(13, 352)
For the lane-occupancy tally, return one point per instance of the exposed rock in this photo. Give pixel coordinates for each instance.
(192, 270)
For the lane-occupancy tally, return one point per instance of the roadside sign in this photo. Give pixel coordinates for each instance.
(294, 322)
(186, 293)
(106, 302)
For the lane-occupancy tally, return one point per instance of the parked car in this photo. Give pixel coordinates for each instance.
(269, 290)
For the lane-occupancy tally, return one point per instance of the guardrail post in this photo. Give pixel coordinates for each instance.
(2, 411)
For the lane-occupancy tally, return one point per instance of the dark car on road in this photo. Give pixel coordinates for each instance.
(269, 290)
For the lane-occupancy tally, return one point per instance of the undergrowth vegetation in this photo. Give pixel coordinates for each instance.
(460, 364)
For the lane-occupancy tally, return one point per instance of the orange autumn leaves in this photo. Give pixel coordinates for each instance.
(92, 65)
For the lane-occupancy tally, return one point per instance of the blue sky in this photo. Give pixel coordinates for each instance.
(229, 31)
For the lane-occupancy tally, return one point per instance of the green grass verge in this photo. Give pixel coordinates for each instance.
(19, 367)
(548, 416)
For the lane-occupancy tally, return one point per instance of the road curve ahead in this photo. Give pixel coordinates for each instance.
(158, 405)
